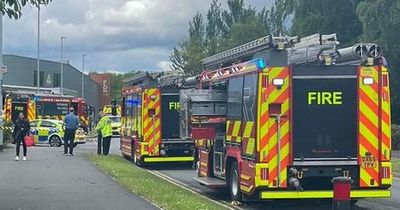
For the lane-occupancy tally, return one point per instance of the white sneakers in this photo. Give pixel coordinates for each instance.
(17, 158)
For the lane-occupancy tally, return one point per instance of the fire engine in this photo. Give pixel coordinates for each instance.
(279, 117)
(112, 110)
(43, 106)
(150, 128)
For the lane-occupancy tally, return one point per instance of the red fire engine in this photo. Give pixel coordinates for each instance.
(278, 119)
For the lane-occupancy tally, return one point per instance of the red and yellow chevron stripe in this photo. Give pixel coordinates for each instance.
(84, 120)
(368, 127)
(152, 120)
(31, 110)
(8, 110)
(248, 138)
(233, 131)
(275, 100)
(385, 132)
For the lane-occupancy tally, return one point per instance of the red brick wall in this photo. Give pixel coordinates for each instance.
(104, 80)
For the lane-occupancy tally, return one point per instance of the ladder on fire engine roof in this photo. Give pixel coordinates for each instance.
(311, 48)
(249, 49)
(299, 51)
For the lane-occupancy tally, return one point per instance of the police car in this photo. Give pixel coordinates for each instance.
(46, 131)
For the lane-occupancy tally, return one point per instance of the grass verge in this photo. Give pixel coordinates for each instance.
(159, 191)
(396, 165)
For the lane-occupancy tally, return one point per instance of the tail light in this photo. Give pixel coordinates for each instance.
(385, 172)
(264, 81)
(385, 80)
(264, 173)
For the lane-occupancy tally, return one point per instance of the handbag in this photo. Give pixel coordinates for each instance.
(29, 141)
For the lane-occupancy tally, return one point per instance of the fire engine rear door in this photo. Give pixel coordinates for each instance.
(170, 115)
(324, 113)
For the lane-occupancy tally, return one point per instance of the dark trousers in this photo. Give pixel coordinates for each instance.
(106, 145)
(99, 138)
(18, 142)
(69, 138)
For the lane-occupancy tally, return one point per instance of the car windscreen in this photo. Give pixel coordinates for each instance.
(115, 119)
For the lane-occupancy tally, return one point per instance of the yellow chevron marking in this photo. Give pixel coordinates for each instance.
(370, 114)
(371, 137)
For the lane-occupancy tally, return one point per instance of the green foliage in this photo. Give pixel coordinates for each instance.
(222, 29)
(161, 192)
(13, 8)
(117, 83)
(396, 136)
(352, 20)
(329, 16)
(381, 24)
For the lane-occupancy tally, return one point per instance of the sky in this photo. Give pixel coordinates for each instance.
(116, 35)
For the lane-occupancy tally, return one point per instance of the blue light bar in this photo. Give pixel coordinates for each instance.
(133, 102)
(261, 63)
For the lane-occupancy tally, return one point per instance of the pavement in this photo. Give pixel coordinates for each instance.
(49, 180)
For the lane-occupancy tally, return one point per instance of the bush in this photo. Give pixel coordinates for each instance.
(396, 136)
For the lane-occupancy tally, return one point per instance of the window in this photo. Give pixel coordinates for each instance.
(47, 124)
(123, 107)
(235, 92)
(249, 97)
(57, 80)
(41, 78)
(128, 107)
(33, 123)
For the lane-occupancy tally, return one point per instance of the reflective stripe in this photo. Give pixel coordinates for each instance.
(167, 159)
(369, 122)
(277, 158)
(323, 194)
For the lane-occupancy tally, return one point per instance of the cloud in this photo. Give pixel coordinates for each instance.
(120, 35)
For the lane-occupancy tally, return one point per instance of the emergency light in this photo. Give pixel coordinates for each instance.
(278, 82)
(368, 81)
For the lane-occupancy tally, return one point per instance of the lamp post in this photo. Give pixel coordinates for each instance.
(1, 82)
(83, 75)
(62, 66)
(38, 51)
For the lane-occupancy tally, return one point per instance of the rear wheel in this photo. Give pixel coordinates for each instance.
(234, 186)
(353, 202)
(55, 141)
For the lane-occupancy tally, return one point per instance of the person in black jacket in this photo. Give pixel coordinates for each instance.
(21, 129)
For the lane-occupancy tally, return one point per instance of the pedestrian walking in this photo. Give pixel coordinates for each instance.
(99, 137)
(71, 125)
(21, 129)
(104, 127)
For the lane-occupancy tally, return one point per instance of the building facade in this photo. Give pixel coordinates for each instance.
(22, 71)
(104, 81)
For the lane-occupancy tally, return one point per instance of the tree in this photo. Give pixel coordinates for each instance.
(329, 16)
(13, 8)
(187, 57)
(223, 29)
(117, 83)
(380, 21)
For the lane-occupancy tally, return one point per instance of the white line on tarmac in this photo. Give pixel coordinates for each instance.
(191, 189)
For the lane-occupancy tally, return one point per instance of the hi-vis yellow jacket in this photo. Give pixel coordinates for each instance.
(104, 126)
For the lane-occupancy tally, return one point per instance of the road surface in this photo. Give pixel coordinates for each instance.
(49, 180)
(183, 173)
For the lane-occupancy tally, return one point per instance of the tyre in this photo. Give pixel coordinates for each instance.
(353, 202)
(234, 183)
(55, 141)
